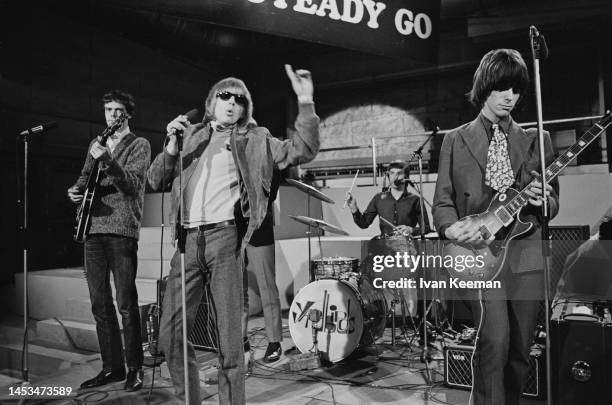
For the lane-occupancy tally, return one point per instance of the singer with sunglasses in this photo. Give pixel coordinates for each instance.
(112, 242)
(228, 162)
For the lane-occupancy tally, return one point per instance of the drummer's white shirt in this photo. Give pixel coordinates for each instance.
(213, 188)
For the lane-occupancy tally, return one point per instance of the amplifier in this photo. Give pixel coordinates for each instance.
(458, 373)
(581, 351)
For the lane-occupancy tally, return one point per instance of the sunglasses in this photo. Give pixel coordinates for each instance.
(226, 95)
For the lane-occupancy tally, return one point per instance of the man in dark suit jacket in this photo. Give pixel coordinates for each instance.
(466, 185)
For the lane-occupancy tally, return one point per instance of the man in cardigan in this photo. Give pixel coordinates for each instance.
(112, 242)
(226, 159)
(478, 159)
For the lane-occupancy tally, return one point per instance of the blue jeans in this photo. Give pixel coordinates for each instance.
(210, 256)
(117, 254)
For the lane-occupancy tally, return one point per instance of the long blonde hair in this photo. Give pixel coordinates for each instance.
(225, 84)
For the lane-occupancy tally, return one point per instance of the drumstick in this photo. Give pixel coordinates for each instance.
(351, 189)
(395, 228)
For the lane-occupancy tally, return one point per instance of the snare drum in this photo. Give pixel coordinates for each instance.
(350, 313)
(332, 267)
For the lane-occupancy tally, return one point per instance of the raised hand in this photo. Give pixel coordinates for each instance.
(351, 202)
(301, 81)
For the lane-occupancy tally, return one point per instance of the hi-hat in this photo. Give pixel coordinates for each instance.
(310, 190)
(317, 223)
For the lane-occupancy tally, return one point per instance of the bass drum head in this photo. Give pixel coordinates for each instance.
(340, 326)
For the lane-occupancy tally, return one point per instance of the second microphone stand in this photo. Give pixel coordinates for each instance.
(539, 51)
(425, 356)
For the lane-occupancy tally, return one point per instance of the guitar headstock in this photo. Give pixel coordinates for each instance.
(112, 128)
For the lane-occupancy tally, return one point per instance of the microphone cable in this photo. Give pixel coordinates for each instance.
(476, 343)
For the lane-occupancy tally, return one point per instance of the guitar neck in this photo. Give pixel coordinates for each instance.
(555, 168)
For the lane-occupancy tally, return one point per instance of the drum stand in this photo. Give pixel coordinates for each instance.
(311, 275)
(399, 299)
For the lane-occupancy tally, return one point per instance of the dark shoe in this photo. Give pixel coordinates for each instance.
(247, 345)
(133, 382)
(105, 377)
(273, 352)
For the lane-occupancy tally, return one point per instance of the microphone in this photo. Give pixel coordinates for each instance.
(314, 315)
(38, 129)
(539, 49)
(404, 181)
(409, 182)
(191, 114)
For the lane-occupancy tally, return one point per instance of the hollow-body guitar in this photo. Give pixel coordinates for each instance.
(83, 217)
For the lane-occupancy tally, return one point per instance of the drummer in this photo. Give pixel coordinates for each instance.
(396, 205)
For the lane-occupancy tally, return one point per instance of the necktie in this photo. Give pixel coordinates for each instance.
(498, 174)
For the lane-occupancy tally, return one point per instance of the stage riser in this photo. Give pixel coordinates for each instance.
(50, 291)
(41, 360)
(83, 334)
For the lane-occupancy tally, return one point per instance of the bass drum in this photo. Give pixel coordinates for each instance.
(342, 314)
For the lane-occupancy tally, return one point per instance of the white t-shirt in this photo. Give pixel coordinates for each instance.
(213, 188)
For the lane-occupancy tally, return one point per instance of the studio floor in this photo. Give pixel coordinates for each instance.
(379, 374)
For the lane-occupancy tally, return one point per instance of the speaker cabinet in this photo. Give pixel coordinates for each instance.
(458, 372)
(581, 351)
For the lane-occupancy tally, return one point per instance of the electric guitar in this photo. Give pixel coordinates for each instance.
(83, 217)
(501, 223)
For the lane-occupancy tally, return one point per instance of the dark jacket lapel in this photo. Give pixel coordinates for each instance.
(476, 140)
(194, 146)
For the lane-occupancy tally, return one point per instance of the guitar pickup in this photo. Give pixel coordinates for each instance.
(504, 216)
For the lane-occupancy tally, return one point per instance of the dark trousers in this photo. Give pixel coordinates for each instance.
(262, 262)
(117, 254)
(501, 360)
(210, 256)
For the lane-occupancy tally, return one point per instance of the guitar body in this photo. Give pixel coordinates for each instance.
(501, 223)
(83, 217)
(497, 229)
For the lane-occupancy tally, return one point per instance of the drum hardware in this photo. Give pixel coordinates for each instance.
(335, 267)
(314, 315)
(311, 222)
(399, 299)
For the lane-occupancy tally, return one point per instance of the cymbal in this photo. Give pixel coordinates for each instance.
(317, 223)
(310, 190)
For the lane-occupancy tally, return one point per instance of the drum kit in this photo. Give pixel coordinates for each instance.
(339, 310)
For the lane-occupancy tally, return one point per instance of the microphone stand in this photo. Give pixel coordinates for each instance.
(425, 356)
(23, 202)
(539, 50)
(182, 240)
